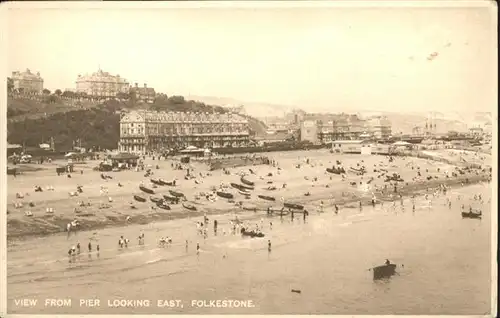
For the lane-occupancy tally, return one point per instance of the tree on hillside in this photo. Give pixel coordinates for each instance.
(68, 94)
(58, 92)
(46, 91)
(176, 99)
(161, 99)
(10, 85)
(50, 99)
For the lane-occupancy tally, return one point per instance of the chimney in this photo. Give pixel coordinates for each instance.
(136, 85)
(145, 85)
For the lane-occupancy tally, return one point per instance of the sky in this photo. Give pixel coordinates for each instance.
(414, 58)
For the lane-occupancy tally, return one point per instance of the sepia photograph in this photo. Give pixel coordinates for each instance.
(249, 158)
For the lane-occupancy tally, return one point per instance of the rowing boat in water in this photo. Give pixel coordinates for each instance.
(471, 215)
(266, 197)
(384, 271)
(251, 234)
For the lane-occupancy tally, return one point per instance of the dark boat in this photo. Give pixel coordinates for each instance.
(246, 208)
(138, 198)
(384, 271)
(144, 189)
(293, 206)
(170, 198)
(266, 197)
(176, 194)
(241, 186)
(189, 206)
(162, 205)
(471, 215)
(154, 200)
(168, 183)
(154, 181)
(357, 170)
(247, 187)
(161, 182)
(237, 186)
(245, 181)
(335, 170)
(225, 195)
(252, 234)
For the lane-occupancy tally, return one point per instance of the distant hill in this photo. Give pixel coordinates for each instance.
(32, 122)
(402, 121)
(254, 109)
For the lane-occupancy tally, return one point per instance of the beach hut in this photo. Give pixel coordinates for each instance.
(402, 144)
(351, 146)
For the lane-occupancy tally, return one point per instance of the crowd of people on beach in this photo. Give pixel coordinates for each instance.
(364, 185)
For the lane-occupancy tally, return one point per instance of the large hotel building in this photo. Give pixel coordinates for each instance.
(101, 84)
(27, 82)
(326, 128)
(146, 131)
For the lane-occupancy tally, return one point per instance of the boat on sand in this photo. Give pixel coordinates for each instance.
(147, 190)
(225, 195)
(293, 206)
(189, 206)
(176, 194)
(247, 182)
(139, 198)
(266, 197)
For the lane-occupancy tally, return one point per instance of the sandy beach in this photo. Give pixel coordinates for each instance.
(292, 169)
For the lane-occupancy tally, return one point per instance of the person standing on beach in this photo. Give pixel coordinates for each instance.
(215, 227)
(268, 246)
(90, 247)
(187, 245)
(197, 249)
(336, 209)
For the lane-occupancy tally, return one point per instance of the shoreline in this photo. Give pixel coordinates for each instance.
(260, 207)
